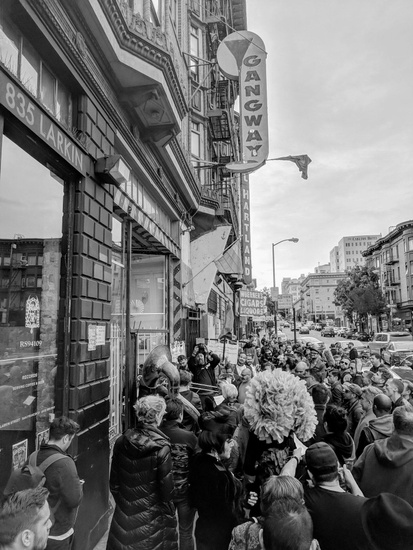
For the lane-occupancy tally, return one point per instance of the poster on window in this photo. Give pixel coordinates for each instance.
(42, 438)
(19, 454)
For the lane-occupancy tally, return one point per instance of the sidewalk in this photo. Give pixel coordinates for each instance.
(101, 545)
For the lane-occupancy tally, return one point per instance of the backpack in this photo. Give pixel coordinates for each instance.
(31, 476)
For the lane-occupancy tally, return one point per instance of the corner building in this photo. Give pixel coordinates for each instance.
(103, 136)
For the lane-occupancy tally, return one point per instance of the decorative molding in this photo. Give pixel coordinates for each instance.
(64, 32)
(142, 38)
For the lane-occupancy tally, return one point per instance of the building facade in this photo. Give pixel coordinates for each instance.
(105, 135)
(318, 297)
(392, 257)
(348, 253)
(292, 286)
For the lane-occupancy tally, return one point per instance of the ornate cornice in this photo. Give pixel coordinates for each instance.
(140, 37)
(388, 239)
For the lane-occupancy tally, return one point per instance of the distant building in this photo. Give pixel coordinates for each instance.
(348, 253)
(334, 260)
(318, 297)
(392, 256)
(325, 268)
(292, 286)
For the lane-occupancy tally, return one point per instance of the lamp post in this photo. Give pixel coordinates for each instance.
(293, 240)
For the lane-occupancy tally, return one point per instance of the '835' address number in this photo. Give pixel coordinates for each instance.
(17, 102)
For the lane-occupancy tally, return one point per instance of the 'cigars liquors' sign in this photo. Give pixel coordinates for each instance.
(242, 56)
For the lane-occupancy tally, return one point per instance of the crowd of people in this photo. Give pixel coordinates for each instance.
(294, 447)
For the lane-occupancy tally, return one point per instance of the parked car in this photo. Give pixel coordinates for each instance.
(310, 340)
(405, 369)
(328, 331)
(304, 329)
(395, 352)
(360, 346)
(317, 326)
(363, 336)
(382, 339)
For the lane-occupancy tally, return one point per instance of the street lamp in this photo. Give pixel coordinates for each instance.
(293, 240)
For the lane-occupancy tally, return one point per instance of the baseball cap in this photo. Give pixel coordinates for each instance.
(321, 459)
(354, 388)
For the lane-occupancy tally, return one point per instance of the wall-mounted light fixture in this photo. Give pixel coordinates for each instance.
(112, 169)
(190, 228)
(187, 224)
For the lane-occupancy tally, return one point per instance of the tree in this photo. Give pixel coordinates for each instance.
(360, 294)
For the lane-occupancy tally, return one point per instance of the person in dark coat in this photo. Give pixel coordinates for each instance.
(337, 436)
(320, 394)
(214, 492)
(202, 365)
(142, 485)
(183, 446)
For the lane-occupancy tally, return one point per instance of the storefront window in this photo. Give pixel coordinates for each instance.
(9, 47)
(20, 58)
(148, 292)
(30, 68)
(30, 251)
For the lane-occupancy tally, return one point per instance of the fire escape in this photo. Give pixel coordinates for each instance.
(222, 124)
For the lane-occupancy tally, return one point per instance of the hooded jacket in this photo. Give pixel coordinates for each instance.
(378, 428)
(386, 466)
(142, 485)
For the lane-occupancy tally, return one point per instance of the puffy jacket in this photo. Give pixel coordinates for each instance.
(142, 485)
(64, 486)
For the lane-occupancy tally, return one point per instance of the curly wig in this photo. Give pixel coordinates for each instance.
(277, 404)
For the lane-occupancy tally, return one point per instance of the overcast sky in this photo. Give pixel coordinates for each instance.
(340, 89)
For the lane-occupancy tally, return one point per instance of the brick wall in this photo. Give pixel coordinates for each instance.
(89, 371)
